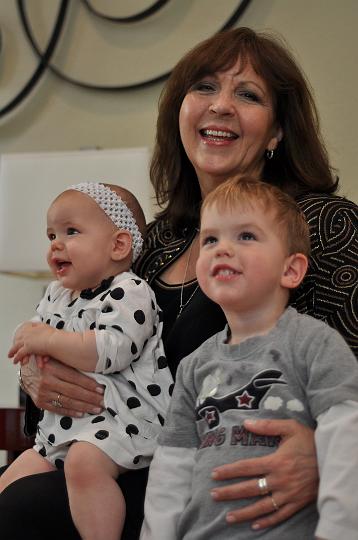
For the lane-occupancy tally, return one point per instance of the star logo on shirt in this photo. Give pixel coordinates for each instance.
(245, 400)
(211, 416)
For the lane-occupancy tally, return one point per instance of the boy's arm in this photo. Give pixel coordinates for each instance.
(336, 440)
(75, 349)
(168, 491)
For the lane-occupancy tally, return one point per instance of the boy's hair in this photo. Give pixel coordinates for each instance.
(246, 191)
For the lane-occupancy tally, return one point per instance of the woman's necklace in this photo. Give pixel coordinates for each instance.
(183, 305)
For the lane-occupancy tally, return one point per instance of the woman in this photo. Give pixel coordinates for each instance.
(237, 104)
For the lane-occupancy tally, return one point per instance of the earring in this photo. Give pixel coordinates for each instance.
(269, 154)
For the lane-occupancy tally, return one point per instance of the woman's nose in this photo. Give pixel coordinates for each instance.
(222, 103)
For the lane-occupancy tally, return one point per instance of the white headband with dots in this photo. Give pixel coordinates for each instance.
(116, 209)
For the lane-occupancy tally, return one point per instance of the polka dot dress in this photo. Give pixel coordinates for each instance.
(131, 366)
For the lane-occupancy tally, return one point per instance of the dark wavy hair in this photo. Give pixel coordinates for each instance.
(300, 164)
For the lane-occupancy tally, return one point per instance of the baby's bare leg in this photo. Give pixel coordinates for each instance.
(29, 462)
(96, 501)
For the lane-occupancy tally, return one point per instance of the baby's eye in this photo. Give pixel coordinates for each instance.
(209, 240)
(247, 236)
(51, 236)
(71, 231)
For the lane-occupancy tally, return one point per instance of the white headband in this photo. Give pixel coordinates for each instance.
(116, 209)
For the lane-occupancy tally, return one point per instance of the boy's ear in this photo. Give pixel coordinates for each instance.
(121, 245)
(294, 270)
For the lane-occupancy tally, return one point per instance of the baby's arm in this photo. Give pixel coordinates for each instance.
(75, 349)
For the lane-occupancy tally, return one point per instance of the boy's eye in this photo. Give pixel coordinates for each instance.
(51, 236)
(71, 231)
(209, 240)
(247, 236)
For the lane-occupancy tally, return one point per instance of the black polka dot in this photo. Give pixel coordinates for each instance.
(93, 325)
(57, 315)
(134, 348)
(104, 296)
(133, 403)
(160, 315)
(107, 309)
(72, 303)
(139, 316)
(154, 389)
(117, 327)
(102, 434)
(136, 359)
(111, 411)
(49, 298)
(59, 464)
(132, 384)
(117, 294)
(136, 459)
(162, 362)
(80, 313)
(171, 388)
(131, 429)
(137, 281)
(161, 419)
(97, 419)
(48, 321)
(102, 327)
(66, 422)
(51, 438)
(153, 305)
(60, 325)
(108, 363)
(42, 452)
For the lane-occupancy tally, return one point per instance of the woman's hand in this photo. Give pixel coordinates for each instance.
(61, 389)
(291, 474)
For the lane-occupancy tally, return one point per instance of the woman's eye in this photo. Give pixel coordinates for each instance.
(71, 231)
(247, 236)
(249, 96)
(203, 87)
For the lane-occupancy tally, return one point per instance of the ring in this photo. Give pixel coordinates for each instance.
(262, 485)
(274, 504)
(56, 402)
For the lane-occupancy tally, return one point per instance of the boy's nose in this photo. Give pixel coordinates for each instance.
(224, 249)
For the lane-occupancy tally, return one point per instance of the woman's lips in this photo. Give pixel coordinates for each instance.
(218, 135)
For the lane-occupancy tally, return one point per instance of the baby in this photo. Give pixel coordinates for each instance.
(102, 319)
(269, 362)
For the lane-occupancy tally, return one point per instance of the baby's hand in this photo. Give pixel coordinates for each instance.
(31, 339)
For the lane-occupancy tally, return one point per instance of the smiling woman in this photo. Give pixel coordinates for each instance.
(226, 122)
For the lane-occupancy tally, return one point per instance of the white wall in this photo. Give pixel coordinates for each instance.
(322, 33)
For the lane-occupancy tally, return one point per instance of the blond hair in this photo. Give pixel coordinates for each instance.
(247, 191)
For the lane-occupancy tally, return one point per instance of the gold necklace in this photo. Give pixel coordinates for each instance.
(183, 305)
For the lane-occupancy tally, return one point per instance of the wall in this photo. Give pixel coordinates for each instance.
(58, 116)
